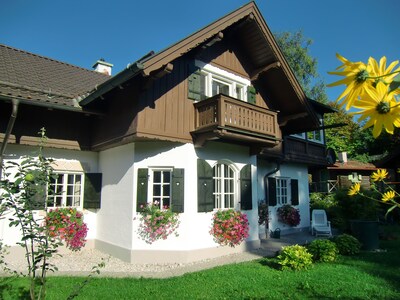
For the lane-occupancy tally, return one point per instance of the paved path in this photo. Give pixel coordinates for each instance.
(81, 263)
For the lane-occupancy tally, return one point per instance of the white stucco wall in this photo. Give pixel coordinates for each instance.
(194, 227)
(293, 171)
(114, 219)
(67, 160)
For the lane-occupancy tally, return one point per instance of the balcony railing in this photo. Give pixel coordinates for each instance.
(234, 116)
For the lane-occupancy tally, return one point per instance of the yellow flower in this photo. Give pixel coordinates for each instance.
(385, 75)
(357, 80)
(354, 189)
(381, 108)
(388, 196)
(379, 175)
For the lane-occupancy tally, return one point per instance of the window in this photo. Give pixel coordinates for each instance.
(282, 190)
(162, 184)
(66, 189)
(224, 186)
(214, 81)
(160, 187)
(315, 136)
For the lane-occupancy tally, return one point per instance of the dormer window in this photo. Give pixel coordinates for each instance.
(207, 81)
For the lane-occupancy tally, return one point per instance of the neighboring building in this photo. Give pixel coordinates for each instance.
(342, 174)
(215, 121)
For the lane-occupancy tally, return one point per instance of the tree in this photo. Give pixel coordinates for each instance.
(350, 138)
(295, 47)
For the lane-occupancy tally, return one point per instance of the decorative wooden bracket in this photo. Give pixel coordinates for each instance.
(259, 71)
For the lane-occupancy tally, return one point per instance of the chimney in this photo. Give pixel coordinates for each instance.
(343, 157)
(102, 66)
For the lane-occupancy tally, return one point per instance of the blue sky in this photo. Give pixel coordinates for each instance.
(80, 32)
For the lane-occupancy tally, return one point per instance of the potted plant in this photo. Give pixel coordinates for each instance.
(289, 215)
(229, 227)
(262, 219)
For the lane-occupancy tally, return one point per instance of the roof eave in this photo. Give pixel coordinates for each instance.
(131, 71)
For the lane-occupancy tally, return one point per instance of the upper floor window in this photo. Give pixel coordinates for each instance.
(208, 81)
(65, 189)
(316, 136)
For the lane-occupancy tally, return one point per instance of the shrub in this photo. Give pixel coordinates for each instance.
(347, 244)
(229, 227)
(323, 250)
(322, 201)
(295, 257)
(289, 215)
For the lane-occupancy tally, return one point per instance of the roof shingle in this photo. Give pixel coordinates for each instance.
(31, 77)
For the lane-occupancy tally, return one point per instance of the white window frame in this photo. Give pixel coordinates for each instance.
(150, 187)
(63, 192)
(212, 73)
(283, 190)
(220, 191)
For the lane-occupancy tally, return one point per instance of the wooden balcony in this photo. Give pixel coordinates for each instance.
(299, 150)
(223, 117)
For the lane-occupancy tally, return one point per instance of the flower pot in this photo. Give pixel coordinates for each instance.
(367, 232)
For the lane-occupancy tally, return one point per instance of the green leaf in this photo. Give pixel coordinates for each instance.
(395, 84)
(389, 210)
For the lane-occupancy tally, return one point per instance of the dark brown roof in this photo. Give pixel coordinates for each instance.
(352, 165)
(43, 81)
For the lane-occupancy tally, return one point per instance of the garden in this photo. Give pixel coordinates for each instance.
(366, 275)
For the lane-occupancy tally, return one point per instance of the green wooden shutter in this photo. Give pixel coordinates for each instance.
(294, 183)
(194, 82)
(251, 95)
(246, 199)
(177, 201)
(92, 191)
(205, 186)
(142, 181)
(271, 191)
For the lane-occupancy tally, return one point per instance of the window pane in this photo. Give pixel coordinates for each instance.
(166, 203)
(239, 92)
(219, 88)
(166, 190)
(167, 176)
(157, 177)
(203, 81)
(156, 190)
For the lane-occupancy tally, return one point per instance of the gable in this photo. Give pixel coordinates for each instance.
(249, 36)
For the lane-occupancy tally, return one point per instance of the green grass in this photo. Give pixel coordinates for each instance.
(366, 276)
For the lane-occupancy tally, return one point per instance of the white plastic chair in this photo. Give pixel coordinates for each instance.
(320, 226)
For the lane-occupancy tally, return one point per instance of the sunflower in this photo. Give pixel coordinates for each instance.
(386, 75)
(388, 196)
(354, 189)
(357, 80)
(379, 175)
(381, 108)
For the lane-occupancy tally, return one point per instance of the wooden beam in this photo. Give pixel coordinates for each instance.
(259, 71)
(284, 120)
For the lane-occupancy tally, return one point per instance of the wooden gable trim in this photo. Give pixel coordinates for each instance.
(209, 32)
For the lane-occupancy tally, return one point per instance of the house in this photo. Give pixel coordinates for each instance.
(214, 121)
(342, 174)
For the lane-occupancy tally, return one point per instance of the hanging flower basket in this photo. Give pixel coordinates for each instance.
(67, 225)
(289, 215)
(229, 227)
(156, 223)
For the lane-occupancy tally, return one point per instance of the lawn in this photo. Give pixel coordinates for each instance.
(370, 275)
